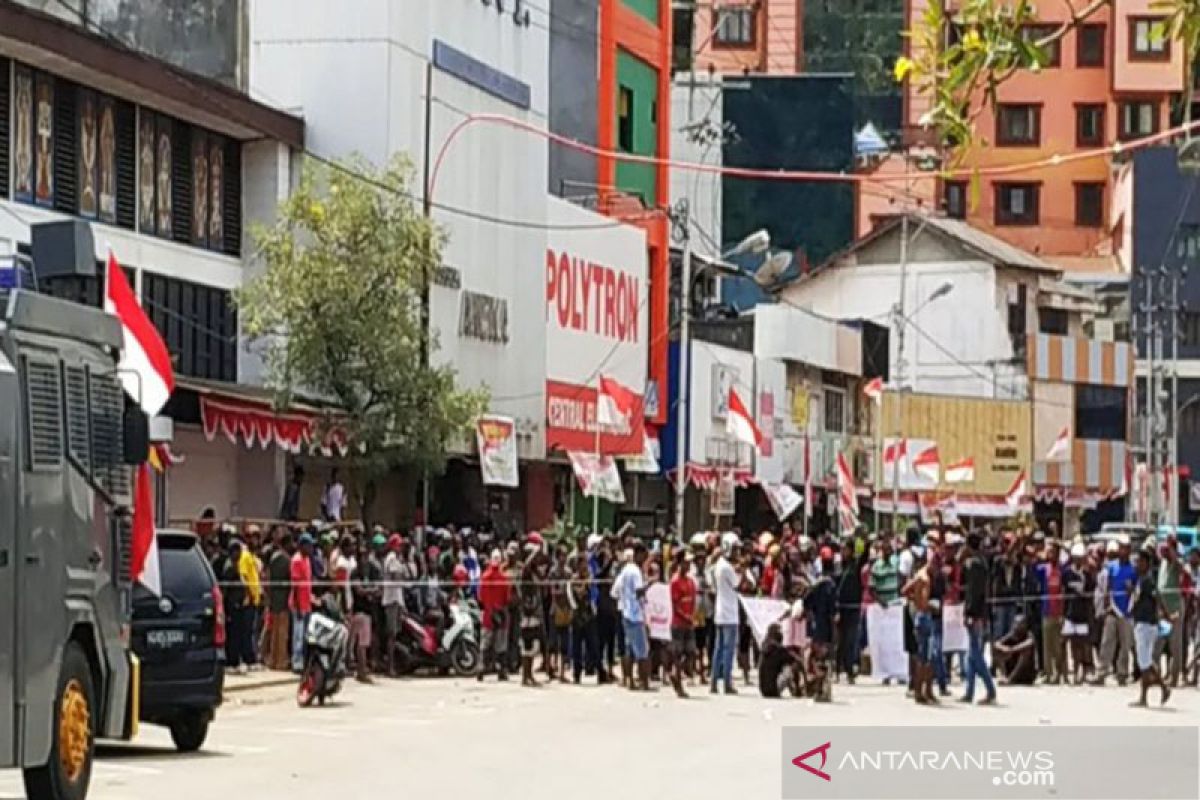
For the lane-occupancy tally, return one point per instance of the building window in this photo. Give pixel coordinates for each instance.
(835, 410)
(1089, 124)
(1017, 203)
(1051, 51)
(956, 199)
(1089, 205)
(1187, 242)
(1053, 321)
(198, 323)
(1138, 119)
(1017, 300)
(1148, 40)
(1018, 125)
(735, 26)
(1189, 419)
(1189, 329)
(1090, 45)
(1100, 412)
(625, 119)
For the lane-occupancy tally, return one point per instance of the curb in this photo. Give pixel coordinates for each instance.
(266, 683)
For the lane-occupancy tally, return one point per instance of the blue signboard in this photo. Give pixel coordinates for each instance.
(481, 76)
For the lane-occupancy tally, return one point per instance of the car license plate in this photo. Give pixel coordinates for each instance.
(166, 639)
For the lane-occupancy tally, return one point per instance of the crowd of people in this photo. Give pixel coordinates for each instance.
(1034, 607)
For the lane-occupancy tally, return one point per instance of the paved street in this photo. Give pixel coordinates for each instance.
(428, 738)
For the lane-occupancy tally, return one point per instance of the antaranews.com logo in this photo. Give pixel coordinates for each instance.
(1005, 763)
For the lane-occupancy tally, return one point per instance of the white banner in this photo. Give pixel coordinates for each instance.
(885, 641)
(761, 612)
(647, 462)
(598, 476)
(954, 629)
(658, 611)
(784, 499)
(497, 440)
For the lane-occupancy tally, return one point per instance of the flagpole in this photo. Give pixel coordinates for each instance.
(595, 494)
(878, 457)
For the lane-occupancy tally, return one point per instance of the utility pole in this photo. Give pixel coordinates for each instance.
(1173, 444)
(898, 414)
(682, 399)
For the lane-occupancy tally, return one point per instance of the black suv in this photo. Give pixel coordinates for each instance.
(180, 639)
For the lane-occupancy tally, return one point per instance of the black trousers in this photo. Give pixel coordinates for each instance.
(606, 631)
(239, 638)
(847, 633)
(585, 649)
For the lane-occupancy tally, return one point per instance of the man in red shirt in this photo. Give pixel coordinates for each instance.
(495, 597)
(683, 617)
(300, 601)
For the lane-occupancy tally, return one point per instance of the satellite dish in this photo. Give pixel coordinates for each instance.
(772, 268)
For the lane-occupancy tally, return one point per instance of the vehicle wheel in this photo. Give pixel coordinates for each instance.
(465, 657)
(66, 775)
(189, 731)
(310, 681)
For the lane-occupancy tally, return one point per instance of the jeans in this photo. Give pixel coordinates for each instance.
(940, 673)
(1116, 645)
(299, 626)
(723, 652)
(976, 666)
(585, 651)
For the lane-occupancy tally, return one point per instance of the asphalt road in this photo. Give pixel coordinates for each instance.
(429, 738)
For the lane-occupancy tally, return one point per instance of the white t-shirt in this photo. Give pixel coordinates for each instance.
(334, 499)
(726, 582)
(393, 574)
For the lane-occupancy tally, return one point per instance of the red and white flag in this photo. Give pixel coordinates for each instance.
(847, 492)
(892, 453)
(927, 464)
(615, 403)
(874, 390)
(1061, 446)
(739, 424)
(1016, 493)
(961, 471)
(145, 365)
(144, 545)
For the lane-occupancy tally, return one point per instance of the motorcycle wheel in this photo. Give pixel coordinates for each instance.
(464, 657)
(310, 683)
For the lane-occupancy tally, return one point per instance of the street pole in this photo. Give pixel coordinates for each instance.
(899, 393)
(1148, 428)
(682, 400)
(427, 209)
(1174, 442)
(595, 495)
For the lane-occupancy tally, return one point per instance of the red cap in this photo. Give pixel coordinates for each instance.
(395, 542)
(460, 575)
(826, 553)
(534, 538)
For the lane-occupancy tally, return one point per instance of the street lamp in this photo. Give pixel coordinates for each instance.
(757, 242)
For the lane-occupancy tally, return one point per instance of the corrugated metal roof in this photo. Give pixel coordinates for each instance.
(988, 245)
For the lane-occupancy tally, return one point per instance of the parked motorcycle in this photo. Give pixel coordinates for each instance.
(325, 641)
(418, 644)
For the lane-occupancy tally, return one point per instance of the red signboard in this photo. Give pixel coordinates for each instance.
(571, 423)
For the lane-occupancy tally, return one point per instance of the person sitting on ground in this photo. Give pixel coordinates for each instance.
(1015, 655)
(778, 667)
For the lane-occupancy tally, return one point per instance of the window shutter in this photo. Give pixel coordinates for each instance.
(5, 106)
(108, 408)
(181, 183)
(126, 161)
(232, 202)
(43, 395)
(66, 147)
(78, 418)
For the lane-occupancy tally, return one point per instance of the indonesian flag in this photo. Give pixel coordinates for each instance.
(894, 452)
(145, 544)
(874, 390)
(1016, 493)
(961, 471)
(927, 463)
(145, 365)
(615, 403)
(1061, 446)
(739, 424)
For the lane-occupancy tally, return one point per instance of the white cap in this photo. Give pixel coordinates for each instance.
(594, 540)
(729, 540)
(1078, 550)
(1123, 539)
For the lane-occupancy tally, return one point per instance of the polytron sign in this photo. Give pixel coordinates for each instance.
(596, 324)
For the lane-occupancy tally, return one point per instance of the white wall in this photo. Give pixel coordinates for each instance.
(706, 405)
(969, 324)
(788, 332)
(357, 73)
(696, 102)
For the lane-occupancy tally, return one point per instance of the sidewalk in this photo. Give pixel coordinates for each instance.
(257, 680)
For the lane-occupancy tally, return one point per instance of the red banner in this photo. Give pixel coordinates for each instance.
(571, 423)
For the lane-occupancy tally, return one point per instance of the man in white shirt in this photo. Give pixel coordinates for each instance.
(725, 583)
(333, 499)
(393, 596)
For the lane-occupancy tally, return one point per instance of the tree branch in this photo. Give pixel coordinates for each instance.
(1077, 19)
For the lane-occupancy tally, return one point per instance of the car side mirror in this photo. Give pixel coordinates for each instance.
(136, 447)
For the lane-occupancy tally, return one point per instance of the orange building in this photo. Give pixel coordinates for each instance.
(743, 36)
(1108, 81)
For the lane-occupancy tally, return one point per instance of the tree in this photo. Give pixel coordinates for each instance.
(338, 308)
(962, 73)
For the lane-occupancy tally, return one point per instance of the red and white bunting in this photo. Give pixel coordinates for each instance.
(1016, 493)
(264, 427)
(961, 471)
